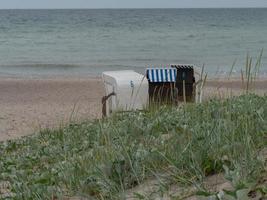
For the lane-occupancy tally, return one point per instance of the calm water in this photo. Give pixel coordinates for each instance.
(86, 42)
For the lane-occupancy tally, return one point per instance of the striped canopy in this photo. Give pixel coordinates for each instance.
(156, 75)
(183, 66)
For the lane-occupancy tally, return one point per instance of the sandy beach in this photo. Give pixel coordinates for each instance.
(28, 105)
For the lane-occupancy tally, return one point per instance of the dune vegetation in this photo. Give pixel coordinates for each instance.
(103, 159)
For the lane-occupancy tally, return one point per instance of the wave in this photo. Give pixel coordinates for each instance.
(220, 25)
(41, 65)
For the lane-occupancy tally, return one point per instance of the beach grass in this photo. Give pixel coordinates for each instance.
(103, 159)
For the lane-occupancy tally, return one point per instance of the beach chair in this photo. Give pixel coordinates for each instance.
(162, 83)
(189, 82)
(185, 82)
(125, 91)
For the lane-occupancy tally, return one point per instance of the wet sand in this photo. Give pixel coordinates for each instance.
(28, 105)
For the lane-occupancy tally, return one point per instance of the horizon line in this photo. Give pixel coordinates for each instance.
(131, 8)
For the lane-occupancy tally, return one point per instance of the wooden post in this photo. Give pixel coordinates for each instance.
(184, 95)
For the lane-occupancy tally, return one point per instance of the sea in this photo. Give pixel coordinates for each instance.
(86, 42)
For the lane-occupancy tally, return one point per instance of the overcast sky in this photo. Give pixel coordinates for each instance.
(129, 3)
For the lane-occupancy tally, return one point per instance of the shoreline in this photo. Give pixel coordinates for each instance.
(30, 104)
(99, 76)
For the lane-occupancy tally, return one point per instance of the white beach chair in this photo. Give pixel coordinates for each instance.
(125, 90)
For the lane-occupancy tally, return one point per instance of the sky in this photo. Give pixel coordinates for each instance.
(6, 4)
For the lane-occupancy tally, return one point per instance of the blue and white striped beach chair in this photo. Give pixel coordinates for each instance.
(162, 84)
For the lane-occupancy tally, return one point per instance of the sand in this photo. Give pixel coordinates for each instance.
(28, 105)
